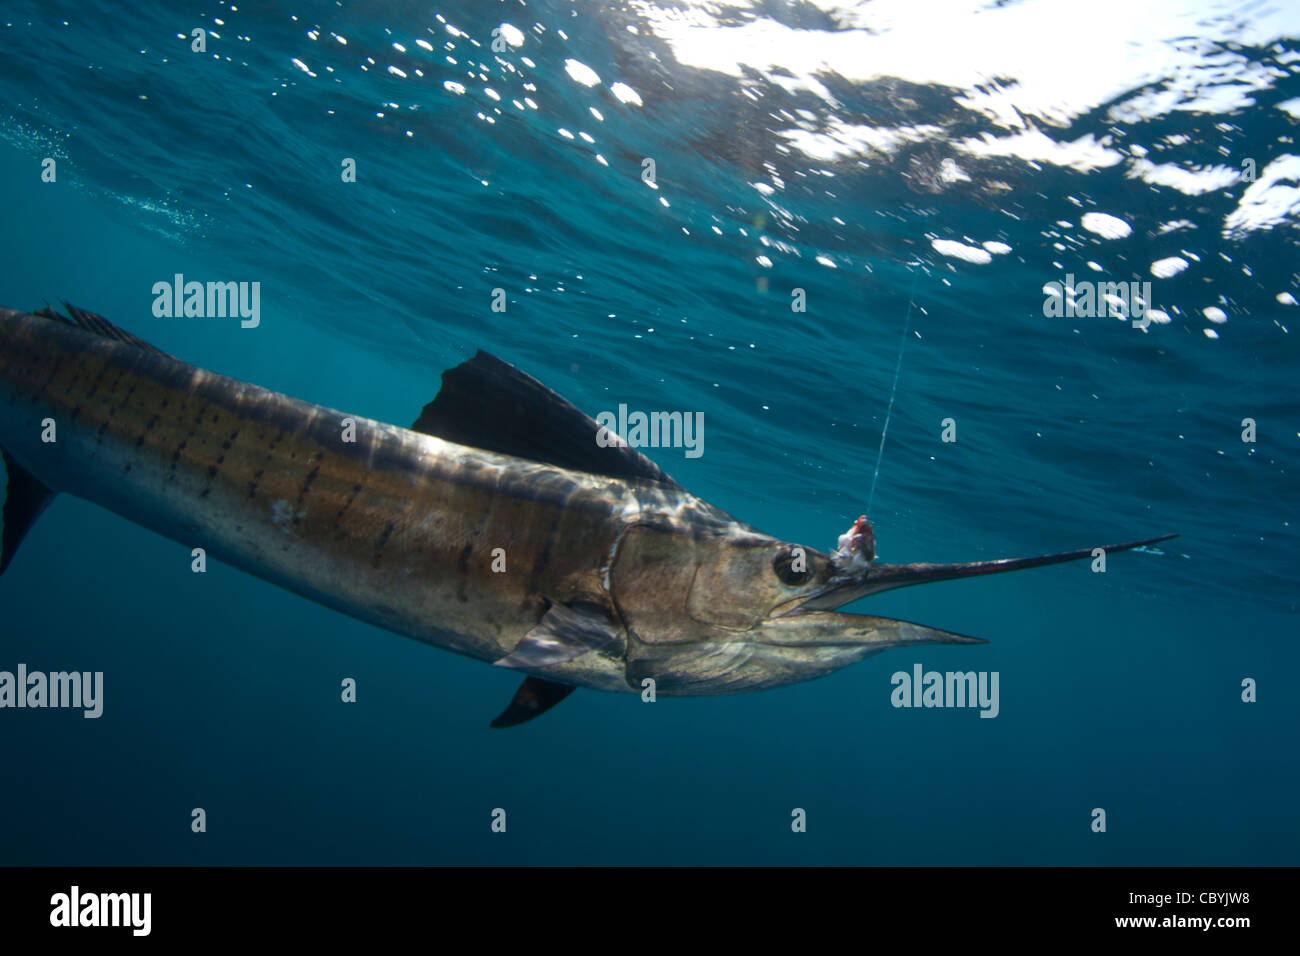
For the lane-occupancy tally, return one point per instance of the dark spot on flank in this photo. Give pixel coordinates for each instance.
(205, 492)
(302, 492)
(151, 423)
(252, 490)
(306, 484)
(382, 543)
(225, 446)
(126, 470)
(356, 490)
(462, 562)
(212, 471)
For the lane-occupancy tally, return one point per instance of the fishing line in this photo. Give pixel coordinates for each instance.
(902, 343)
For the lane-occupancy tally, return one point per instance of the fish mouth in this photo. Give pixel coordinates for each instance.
(842, 588)
(835, 632)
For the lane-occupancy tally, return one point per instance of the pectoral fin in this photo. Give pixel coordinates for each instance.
(533, 698)
(565, 631)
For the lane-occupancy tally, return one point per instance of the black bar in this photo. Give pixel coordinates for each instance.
(206, 905)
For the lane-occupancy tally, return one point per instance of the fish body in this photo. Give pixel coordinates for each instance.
(497, 526)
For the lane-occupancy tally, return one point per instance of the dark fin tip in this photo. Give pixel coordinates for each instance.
(534, 697)
(25, 498)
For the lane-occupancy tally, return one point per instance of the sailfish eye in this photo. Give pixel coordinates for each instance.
(792, 566)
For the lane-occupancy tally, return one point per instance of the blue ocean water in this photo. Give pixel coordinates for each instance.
(921, 175)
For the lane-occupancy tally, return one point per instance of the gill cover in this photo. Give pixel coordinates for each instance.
(673, 586)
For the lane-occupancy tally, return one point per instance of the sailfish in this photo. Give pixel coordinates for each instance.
(499, 525)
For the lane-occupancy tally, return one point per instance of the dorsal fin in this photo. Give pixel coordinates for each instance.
(487, 403)
(48, 313)
(96, 324)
